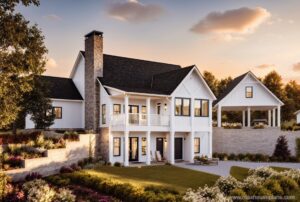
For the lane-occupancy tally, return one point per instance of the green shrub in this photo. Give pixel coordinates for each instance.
(282, 152)
(58, 180)
(238, 194)
(232, 157)
(4, 182)
(287, 184)
(226, 185)
(117, 164)
(258, 191)
(274, 187)
(38, 190)
(64, 195)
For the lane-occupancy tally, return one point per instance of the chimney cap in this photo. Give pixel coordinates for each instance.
(94, 32)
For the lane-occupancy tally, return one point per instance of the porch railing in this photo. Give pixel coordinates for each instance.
(140, 119)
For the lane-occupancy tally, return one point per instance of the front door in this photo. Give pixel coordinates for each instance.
(133, 149)
(178, 148)
(160, 145)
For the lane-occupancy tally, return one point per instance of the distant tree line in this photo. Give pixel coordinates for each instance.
(288, 93)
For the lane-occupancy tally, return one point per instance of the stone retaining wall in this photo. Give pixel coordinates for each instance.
(249, 140)
(56, 158)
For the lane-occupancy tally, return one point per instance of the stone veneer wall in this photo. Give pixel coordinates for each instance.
(102, 144)
(56, 158)
(248, 140)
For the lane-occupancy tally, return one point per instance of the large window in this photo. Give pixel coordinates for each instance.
(249, 92)
(103, 110)
(117, 109)
(58, 112)
(196, 145)
(144, 146)
(201, 108)
(182, 106)
(117, 146)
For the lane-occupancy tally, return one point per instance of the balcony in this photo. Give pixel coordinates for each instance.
(139, 119)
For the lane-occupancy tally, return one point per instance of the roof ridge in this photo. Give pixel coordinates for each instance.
(59, 77)
(174, 70)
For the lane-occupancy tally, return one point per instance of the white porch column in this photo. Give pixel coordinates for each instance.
(192, 152)
(172, 133)
(126, 133)
(278, 116)
(210, 133)
(148, 161)
(244, 118)
(110, 146)
(249, 117)
(269, 118)
(219, 111)
(274, 117)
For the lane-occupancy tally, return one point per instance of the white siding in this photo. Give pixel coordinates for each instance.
(78, 77)
(298, 118)
(261, 97)
(72, 112)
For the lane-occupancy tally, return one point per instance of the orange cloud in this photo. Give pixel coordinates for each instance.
(265, 66)
(236, 21)
(51, 63)
(53, 17)
(296, 67)
(134, 11)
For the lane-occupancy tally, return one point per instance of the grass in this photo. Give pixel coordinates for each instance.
(169, 176)
(240, 173)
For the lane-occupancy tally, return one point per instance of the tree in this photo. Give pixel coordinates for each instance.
(211, 81)
(282, 151)
(38, 105)
(292, 102)
(273, 82)
(223, 84)
(22, 56)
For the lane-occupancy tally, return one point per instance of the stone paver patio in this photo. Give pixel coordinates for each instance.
(223, 169)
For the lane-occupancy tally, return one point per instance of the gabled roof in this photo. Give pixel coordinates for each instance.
(61, 88)
(236, 81)
(230, 87)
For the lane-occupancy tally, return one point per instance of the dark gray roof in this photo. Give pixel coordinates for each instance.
(230, 87)
(61, 88)
(141, 76)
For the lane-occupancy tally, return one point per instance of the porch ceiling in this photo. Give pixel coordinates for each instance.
(242, 108)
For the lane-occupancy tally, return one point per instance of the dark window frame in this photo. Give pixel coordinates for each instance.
(103, 115)
(201, 108)
(251, 87)
(61, 112)
(117, 138)
(197, 152)
(182, 105)
(119, 108)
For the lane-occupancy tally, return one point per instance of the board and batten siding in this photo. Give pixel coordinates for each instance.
(72, 115)
(78, 77)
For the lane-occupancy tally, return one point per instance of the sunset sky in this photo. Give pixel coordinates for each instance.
(226, 37)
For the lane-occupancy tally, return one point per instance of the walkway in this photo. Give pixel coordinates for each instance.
(223, 169)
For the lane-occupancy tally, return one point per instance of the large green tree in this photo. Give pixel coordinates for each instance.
(22, 57)
(211, 81)
(273, 81)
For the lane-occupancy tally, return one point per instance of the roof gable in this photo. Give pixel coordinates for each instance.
(238, 80)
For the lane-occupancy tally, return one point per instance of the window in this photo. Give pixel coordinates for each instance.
(201, 108)
(58, 112)
(144, 146)
(117, 109)
(197, 145)
(182, 106)
(249, 92)
(158, 108)
(204, 108)
(103, 114)
(117, 146)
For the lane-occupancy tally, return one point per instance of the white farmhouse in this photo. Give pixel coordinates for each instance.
(246, 93)
(143, 111)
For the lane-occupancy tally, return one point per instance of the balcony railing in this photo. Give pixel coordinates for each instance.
(139, 119)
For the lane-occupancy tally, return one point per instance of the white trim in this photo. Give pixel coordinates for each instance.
(76, 64)
(66, 100)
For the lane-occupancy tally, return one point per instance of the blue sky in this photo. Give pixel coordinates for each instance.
(248, 35)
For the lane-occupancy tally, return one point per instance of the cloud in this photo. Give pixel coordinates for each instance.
(134, 11)
(51, 63)
(232, 22)
(265, 66)
(296, 67)
(52, 17)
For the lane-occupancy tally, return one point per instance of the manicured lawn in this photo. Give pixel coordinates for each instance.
(169, 176)
(240, 173)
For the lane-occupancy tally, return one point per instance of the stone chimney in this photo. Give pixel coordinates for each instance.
(93, 69)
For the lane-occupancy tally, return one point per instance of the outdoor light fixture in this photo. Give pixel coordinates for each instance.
(165, 108)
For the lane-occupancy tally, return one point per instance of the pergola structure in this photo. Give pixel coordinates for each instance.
(246, 94)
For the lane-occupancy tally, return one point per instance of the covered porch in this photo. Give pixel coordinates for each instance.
(273, 117)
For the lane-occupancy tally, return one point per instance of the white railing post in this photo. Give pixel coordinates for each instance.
(274, 117)
(249, 117)
(148, 106)
(126, 133)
